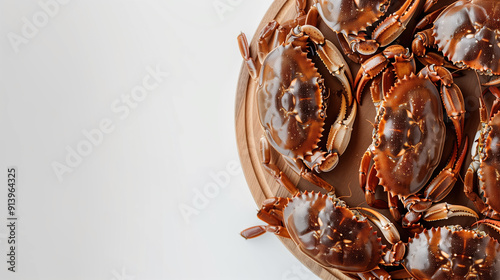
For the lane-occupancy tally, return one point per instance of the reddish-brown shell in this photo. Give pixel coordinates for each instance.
(351, 17)
(290, 101)
(410, 135)
(467, 33)
(453, 253)
(489, 169)
(332, 235)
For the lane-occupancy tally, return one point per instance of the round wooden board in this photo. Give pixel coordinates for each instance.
(345, 176)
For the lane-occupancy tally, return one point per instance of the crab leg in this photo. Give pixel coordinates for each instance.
(271, 212)
(355, 57)
(451, 96)
(493, 82)
(492, 223)
(444, 210)
(265, 36)
(496, 104)
(474, 165)
(428, 19)
(436, 190)
(393, 206)
(391, 234)
(421, 42)
(369, 181)
(368, 71)
(245, 53)
(392, 26)
(364, 166)
(305, 173)
(274, 169)
(387, 228)
(332, 58)
(256, 231)
(445, 180)
(403, 64)
(339, 137)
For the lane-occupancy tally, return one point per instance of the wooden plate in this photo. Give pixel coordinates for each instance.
(345, 176)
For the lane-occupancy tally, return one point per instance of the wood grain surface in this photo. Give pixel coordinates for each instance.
(345, 176)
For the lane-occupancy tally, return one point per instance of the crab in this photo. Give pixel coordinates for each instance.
(335, 236)
(452, 252)
(466, 33)
(486, 161)
(350, 20)
(328, 232)
(292, 98)
(409, 133)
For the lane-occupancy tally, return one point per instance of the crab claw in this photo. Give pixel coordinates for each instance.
(339, 136)
(387, 228)
(491, 223)
(398, 56)
(444, 211)
(368, 70)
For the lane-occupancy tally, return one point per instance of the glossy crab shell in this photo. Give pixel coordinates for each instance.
(467, 34)
(290, 101)
(332, 235)
(489, 177)
(453, 253)
(351, 17)
(409, 135)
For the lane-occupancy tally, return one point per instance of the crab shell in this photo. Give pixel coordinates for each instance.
(290, 101)
(489, 177)
(332, 235)
(453, 253)
(467, 34)
(351, 17)
(409, 135)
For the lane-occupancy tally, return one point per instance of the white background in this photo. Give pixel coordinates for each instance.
(110, 206)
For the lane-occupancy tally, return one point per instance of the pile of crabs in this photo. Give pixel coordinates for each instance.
(417, 102)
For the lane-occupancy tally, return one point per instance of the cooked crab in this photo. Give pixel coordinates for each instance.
(328, 232)
(409, 133)
(466, 33)
(351, 19)
(453, 252)
(292, 98)
(486, 161)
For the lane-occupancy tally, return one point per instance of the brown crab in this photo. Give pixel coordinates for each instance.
(292, 98)
(455, 253)
(409, 133)
(350, 19)
(467, 33)
(329, 233)
(486, 161)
